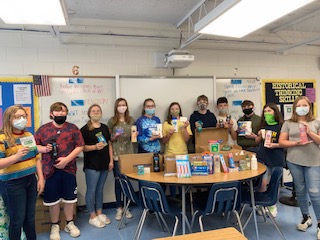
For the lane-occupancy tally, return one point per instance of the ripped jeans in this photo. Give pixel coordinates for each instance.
(307, 183)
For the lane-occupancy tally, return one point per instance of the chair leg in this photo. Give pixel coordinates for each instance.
(275, 224)
(175, 226)
(124, 215)
(242, 210)
(248, 219)
(164, 223)
(200, 223)
(140, 225)
(239, 221)
(191, 201)
(159, 222)
(193, 218)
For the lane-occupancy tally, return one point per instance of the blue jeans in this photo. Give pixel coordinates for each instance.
(306, 182)
(95, 182)
(117, 186)
(20, 197)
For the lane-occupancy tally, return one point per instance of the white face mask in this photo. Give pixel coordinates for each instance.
(302, 111)
(20, 123)
(122, 109)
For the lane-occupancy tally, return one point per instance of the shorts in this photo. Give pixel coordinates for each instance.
(61, 186)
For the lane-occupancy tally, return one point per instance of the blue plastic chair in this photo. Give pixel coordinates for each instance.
(154, 200)
(266, 199)
(130, 195)
(223, 198)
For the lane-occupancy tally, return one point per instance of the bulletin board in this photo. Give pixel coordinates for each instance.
(283, 92)
(19, 90)
(78, 94)
(236, 91)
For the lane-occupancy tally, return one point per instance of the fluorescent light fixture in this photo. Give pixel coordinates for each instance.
(37, 12)
(239, 18)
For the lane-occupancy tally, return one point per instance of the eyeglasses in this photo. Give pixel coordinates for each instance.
(20, 116)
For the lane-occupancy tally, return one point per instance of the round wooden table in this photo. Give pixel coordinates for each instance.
(201, 180)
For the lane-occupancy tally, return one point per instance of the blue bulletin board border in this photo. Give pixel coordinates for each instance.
(7, 84)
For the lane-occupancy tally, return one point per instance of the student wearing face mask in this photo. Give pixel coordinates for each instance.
(229, 123)
(270, 153)
(19, 184)
(202, 115)
(301, 136)
(120, 130)
(98, 161)
(60, 142)
(248, 142)
(148, 137)
(175, 134)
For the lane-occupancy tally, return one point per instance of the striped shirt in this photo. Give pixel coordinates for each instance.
(24, 167)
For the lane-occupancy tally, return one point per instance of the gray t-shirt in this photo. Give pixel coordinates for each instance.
(304, 155)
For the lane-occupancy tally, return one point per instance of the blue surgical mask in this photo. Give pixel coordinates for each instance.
(150, 111)
(20, 123)
(302, 111)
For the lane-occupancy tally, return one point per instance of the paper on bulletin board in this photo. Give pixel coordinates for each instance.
(1, 96)
(22, 94)
(28, 111)
(1, 116)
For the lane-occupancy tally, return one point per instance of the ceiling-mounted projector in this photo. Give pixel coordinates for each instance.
(178, 59)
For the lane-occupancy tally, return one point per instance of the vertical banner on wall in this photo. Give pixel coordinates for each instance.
(283, 93)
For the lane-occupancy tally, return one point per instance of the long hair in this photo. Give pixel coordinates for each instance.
(89, 123)
(295, 116)
(143, 112)
(7, 128)
(115, 118)
(277, 115)
(169, 117)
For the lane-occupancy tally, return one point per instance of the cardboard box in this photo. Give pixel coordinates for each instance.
(42, 217)
(202, 138)
(128, 163)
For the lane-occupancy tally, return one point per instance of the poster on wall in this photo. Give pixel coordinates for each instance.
(283, 93)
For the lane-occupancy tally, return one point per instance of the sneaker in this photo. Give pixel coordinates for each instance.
(119, 214)
(129, 214)
(261, 211)
(306, 222)
(103, 218)
(273, 210)
(72, 229)
(97, 222)
(318, 233)
(55, 232)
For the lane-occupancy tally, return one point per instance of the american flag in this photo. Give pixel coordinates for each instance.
(41, 85)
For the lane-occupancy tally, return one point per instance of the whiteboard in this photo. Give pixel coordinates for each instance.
(238, 90)
(79, 94)
(164, 91)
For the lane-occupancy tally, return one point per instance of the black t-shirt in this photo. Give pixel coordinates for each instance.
(97, 159)
(272, 157)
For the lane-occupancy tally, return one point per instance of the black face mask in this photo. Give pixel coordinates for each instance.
(247, 111)
(59, 119)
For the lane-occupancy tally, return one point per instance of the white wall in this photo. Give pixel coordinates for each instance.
(26, 53)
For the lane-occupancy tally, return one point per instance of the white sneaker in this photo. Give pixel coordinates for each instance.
(306, 222)
(260, 212)
(318, 233)
(72, 229)
(119, 214)
(129, 214)
(96, 221)
(55, 232)
(273, 210)
(104, 219)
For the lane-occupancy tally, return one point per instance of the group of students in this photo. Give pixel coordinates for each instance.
(23, 175)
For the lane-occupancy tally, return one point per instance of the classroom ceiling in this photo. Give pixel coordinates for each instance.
(158, 23)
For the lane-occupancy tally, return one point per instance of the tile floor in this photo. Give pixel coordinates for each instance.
(287, 219)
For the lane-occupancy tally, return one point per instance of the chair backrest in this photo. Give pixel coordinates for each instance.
(127, 189)
(273, 186)
(223, 197)
(153, 197)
